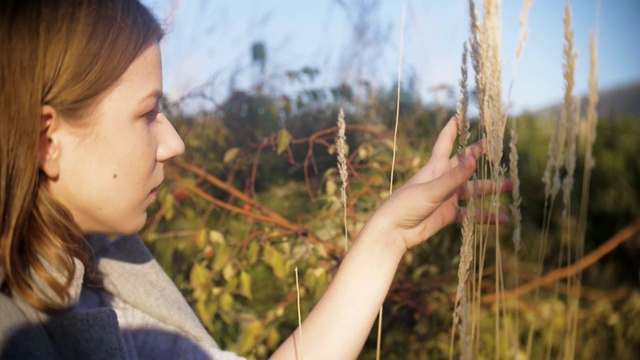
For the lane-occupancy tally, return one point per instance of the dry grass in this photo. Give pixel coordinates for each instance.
(468, 225)
(300, 352)
(395, 141)
(463, 103)
(485, 54)
(341, 147)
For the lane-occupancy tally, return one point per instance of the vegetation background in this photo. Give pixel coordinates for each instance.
(257, 195)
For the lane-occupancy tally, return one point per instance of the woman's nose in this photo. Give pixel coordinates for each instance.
(169, 142)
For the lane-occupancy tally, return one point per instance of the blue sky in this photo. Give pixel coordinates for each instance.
(211, 39)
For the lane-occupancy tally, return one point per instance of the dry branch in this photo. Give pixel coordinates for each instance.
(621, 236)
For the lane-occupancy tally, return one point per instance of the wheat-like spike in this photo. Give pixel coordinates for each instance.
(592, 114)
(515, 192)
(513, 148)
(468, 224)
(522, 40)
(590, 134)
(557, 147)
(463, 103)
(524, 33)
(570, 156)
(341, 147)
(568, 113)
(466, 254)
(476, 43)
(495, 122)
(516, 218)
(558, 143)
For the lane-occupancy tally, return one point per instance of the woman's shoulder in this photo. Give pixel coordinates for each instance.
(21, 338)
(11, 315)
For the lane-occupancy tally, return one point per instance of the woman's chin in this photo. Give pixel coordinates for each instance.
(127, 227)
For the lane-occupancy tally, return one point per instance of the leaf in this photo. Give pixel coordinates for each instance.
(199, 276)
(169, 211)
(228, 271)
(331, 187)
(249, 336)
(230, 155)
(201, 238)
(283, 139)
(221, 258)
(252, 253)
(188, 183)
(331, 149)
(232, 284)
(226, 301)
(321, 251)
(245, 285)
(216, 237)
(273, 338)
(276, 261)
(206, 309)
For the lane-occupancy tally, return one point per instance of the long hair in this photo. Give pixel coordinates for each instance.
(64, 54)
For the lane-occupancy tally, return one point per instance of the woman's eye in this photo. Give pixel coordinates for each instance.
(151, 115)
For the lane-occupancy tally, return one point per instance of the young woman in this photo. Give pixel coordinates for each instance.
(81, 154)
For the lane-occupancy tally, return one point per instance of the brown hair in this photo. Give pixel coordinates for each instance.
(64, 54)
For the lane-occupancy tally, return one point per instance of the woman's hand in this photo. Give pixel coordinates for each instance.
(429, 200)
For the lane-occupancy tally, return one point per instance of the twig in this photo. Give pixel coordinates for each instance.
(621, 236)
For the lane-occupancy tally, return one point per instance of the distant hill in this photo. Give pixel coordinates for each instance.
(612, 103)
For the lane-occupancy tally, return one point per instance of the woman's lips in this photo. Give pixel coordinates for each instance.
(154, 191)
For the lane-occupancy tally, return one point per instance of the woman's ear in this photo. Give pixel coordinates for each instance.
(49, 154)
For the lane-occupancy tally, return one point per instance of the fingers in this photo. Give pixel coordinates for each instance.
(447, 137)
(439, 161)
(484, 187)
(483, 217)
(450, 181)
(476, 150)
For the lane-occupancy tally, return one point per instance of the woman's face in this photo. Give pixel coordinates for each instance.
(110, 170)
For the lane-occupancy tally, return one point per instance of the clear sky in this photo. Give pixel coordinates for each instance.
(212, 39)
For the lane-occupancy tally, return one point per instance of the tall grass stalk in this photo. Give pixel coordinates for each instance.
(569, 118)
(561, 159)
(395, 141)
(589, 139)
(485, 54)
(570, 115)
(460, 313)
(516, 218)
(475, 38)
(574, 282)
(558, 144)
(516, 215)
(476, 43)
(300, 348)
(558, 178)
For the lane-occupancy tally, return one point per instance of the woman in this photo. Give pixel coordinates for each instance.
(82, 150)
